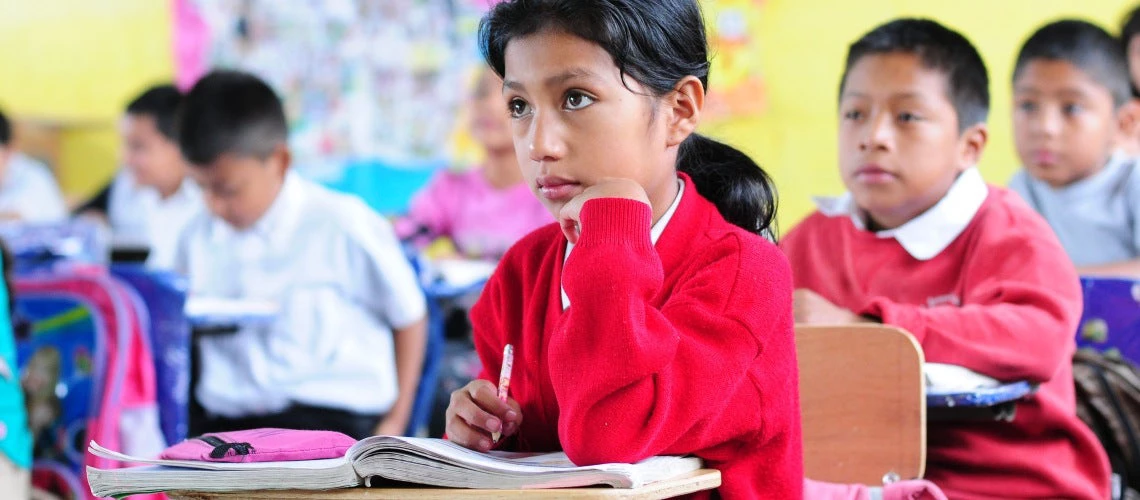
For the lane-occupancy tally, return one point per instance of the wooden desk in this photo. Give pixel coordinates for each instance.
(862, 403)
(704, 479)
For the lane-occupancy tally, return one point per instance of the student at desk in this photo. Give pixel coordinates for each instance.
(922, 243)
(28, 191)
(485, 210)
(153, 198)
(654, 318)
(1072, 108)
(345, 353)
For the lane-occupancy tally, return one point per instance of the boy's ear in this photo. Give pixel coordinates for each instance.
(280, 159)
(684, 105)
(1128, 127)
(972, 142)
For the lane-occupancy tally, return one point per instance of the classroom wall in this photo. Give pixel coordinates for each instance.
(802, 46)
(74, 64)
(78, 61)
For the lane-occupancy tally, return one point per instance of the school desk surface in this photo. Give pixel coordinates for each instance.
(700, 480)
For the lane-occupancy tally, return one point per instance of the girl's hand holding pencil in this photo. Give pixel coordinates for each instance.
(480, 414)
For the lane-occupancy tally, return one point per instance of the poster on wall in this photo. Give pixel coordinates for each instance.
(365, 83)
(373, 88)
(736, 86)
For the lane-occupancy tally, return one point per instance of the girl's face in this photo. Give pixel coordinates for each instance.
(575, 122)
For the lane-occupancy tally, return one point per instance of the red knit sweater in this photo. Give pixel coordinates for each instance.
(686, 348)
(1002, 300)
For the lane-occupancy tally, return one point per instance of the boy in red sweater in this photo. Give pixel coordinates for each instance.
(922, 243)
(654, 319)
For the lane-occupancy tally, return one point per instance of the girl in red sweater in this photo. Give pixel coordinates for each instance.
(653, 319)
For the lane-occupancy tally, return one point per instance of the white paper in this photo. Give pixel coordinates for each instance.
(947, 379)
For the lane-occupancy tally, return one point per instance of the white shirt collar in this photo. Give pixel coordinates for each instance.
(927, 235)
(275, 220)
(659, 227)
(654, 232)
(188, 191)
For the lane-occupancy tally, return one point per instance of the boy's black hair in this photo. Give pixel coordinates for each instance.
(5, 131)
(938, 48)
(232, 112)
(657, 43)
(1128, 30)
(1086, 46)
(160, 102)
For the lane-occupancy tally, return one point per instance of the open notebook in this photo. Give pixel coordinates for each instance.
(433, 462)
(949, 379)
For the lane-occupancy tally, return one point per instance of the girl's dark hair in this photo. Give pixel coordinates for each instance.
(657, 43)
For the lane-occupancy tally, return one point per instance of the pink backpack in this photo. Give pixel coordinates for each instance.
(122, 412)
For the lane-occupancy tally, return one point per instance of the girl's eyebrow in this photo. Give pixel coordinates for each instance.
(554, 80)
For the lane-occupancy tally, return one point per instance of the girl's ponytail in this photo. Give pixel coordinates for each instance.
(741, 190)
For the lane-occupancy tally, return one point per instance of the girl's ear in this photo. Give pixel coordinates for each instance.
(684, 105)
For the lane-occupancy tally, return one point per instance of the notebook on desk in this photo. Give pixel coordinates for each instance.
(201, 311)
(957, 388)
(245, 461)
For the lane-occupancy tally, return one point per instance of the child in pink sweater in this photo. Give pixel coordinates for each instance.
(485, 210)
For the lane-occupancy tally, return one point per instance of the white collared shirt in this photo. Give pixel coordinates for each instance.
(29, 190)
(928, 234)
(343, 284)
(127, 218)
(654, 232)
(166, 220)
(139, 215)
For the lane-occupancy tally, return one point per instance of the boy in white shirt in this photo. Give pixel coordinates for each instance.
(155, 197)
(347, 350)
(28, 191)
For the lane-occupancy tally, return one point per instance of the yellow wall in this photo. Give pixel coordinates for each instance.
(78, 62)
(82, 60)
(803, 43)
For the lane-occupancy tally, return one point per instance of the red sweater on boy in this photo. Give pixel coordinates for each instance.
(681, 348)
(1003, 300)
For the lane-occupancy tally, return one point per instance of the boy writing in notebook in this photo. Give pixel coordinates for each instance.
(346, 351)
(1072, 107)
(921, 242)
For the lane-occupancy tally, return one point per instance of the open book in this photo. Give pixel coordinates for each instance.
(434, 462)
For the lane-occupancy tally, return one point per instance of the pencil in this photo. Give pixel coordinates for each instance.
(505, 380)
